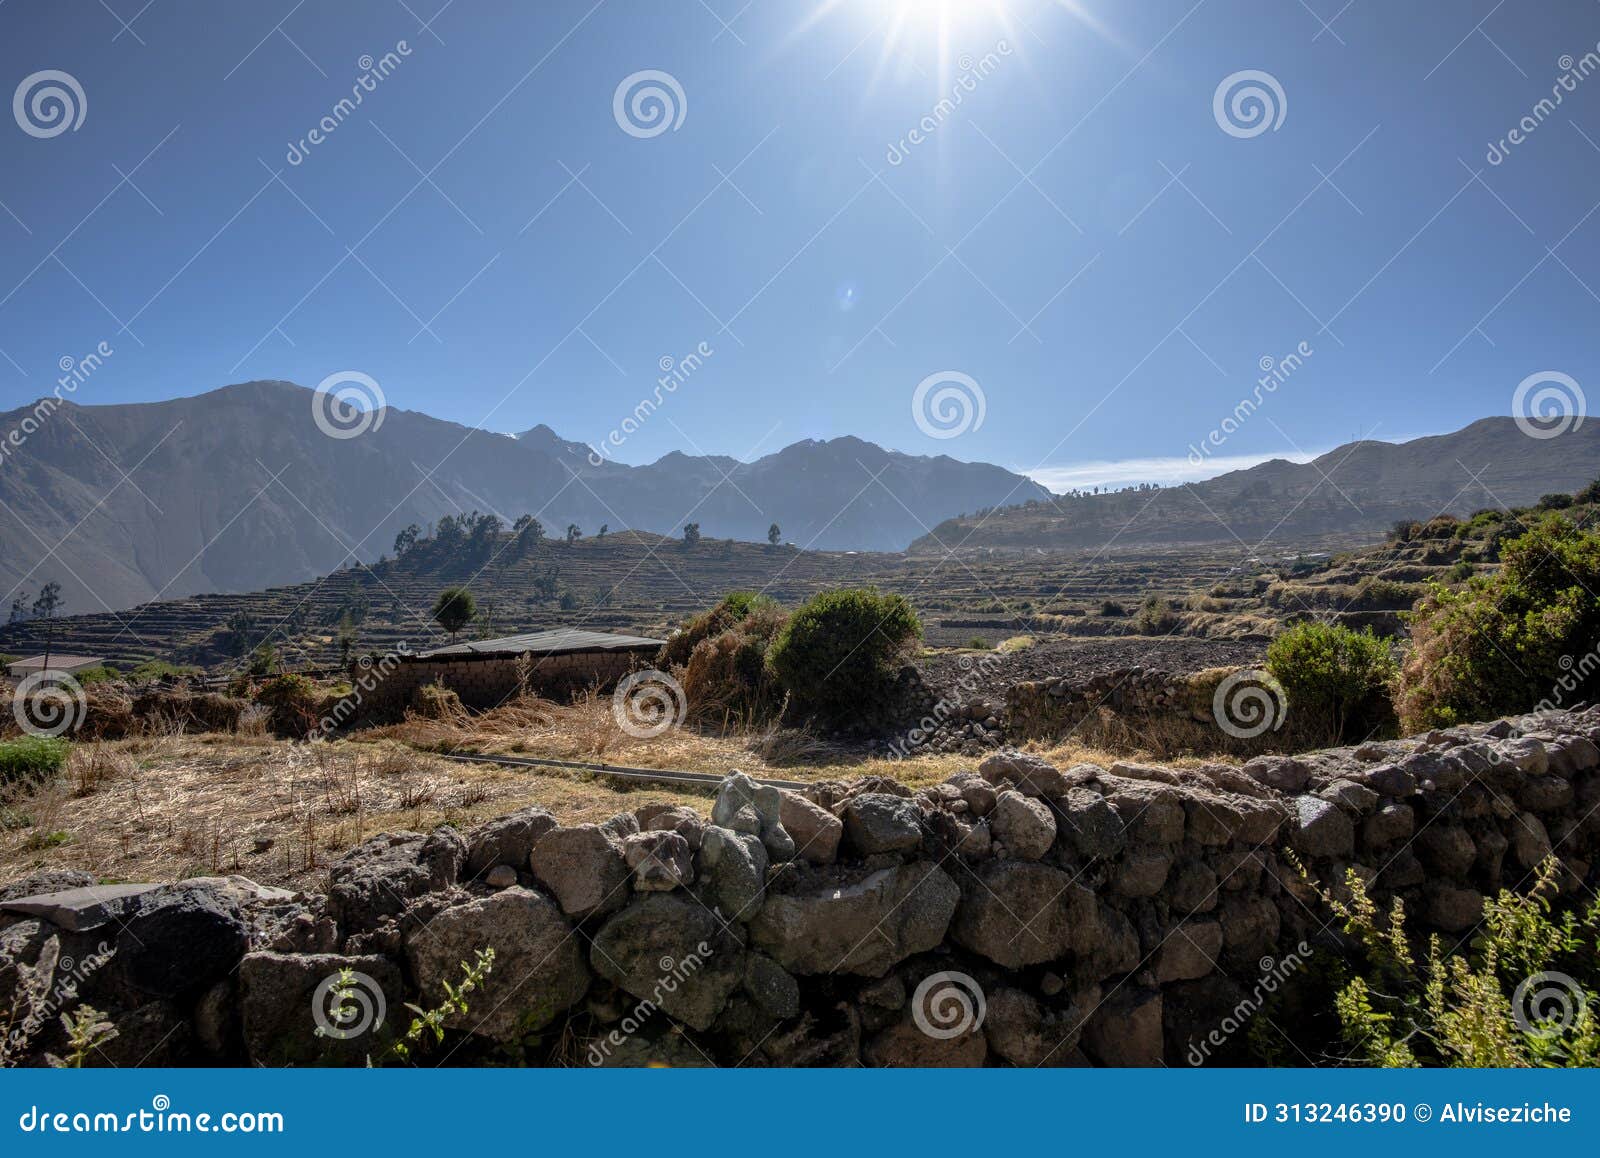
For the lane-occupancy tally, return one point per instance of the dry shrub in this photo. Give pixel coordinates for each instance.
(731, 609)
(437, 702)
(726, 680)
(91, 767)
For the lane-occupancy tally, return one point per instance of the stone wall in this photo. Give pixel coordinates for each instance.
(1017, 914)
(1149, 708)
(489, 681)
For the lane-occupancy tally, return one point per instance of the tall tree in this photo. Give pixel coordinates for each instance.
(45, 607)
(774, 534)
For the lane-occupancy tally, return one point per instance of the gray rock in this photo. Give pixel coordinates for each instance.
(1192, 888)
(815, 830)
(1151, 813)
(1141, 873)
(1525, 754)
(1032, 775)
(678, 818)
(44, 882)
(281, 995)
(771, 986)
(81, 908)
(506, 839)
(670, 951)
(863, 923)
(538, 969)
(1530, 842)
(976, 792)
(1284, 773)
(1126, 1029)
(1391, 823)
(876, 822)
(502, 876)
(1321, 828)
(661, 861)
(1025, 1032)
(1354, 797)
(1446, 849)
(1025, 826)
(1545, 793)
(380, 877)
(1016, 913)
(1088, 826)
(731, 872)
(906, 1045)
(180, 939)
(1453, 909)
(1190, 951)
(584, 869)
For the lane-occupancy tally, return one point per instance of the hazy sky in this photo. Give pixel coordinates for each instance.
(497, 236)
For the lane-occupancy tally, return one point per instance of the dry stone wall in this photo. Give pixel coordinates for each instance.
(1016, 914)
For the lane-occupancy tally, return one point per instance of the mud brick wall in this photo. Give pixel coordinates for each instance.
(491, 680)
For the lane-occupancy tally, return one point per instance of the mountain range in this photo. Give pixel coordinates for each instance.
(1363, 486)
(239, 489)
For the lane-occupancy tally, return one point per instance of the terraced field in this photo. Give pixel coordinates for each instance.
(647, 584)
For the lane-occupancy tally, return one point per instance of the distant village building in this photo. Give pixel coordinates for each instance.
(487, 672)
(59, 665)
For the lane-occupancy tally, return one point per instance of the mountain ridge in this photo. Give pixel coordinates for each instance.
(237, 489)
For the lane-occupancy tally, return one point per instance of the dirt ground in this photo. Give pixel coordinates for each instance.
(987, 674)
(280, 812)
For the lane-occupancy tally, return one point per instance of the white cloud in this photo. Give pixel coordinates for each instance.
(1166, 471)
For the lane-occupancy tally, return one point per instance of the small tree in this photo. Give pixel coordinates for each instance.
(529, 531)
(573, 533)
(19, 607)
(601, 533)
(1337, 680)
(691, 534)
(406, 539)
(347, 639)
(454, 609)
(774, 535)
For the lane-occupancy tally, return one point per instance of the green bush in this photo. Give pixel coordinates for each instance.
(1510, 641)
(1555, 502)
(838, 656)
(1154, 617)
(31, 758)
(1337, 681)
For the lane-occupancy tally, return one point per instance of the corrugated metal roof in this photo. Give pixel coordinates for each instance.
(552, 642)
(58, 662)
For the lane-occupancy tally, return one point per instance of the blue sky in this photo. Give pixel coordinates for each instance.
(1079, 236)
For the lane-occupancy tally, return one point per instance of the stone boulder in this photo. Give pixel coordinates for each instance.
(670, 951)
(744, 806)
(876, 822)
(285, 998)
(860, 922)
(1023, 825)
(731, 871)
(1016, 913)
(380, 877)
(815, 830)
(506, 840)
(1126, 1029)
(906, 1045)
(660, 861)
(180, 939)
(1025, 1032)
(1321, 828)
(584, 869)
(1029, 774)
(538, 970)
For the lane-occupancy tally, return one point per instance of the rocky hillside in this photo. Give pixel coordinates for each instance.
(238, 489)
(1019, 915)
(1360, 487)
